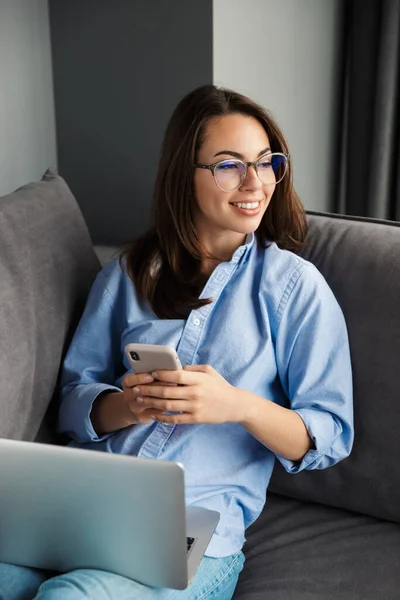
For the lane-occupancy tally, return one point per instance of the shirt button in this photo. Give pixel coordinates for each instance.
(196, 322)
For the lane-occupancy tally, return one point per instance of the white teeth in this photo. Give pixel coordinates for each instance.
(246, 204)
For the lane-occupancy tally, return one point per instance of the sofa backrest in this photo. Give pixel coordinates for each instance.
(360, 259)
(47, 265)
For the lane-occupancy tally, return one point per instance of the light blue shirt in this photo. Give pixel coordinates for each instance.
(274, 328)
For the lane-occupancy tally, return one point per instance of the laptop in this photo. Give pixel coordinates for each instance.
(64, 508)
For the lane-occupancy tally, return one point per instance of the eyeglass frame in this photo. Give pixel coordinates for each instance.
(247, 164)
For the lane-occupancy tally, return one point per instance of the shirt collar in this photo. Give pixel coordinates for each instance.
(245, 248)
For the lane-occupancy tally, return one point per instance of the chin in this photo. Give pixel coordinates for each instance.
(250, 227)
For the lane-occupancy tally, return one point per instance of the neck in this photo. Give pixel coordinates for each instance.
(221, 249)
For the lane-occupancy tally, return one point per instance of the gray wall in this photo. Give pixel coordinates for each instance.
(27, 130)
(286, 54)
(120, 67)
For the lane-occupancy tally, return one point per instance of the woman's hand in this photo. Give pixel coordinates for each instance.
(200, 394)
(136, 412)
(115, 410)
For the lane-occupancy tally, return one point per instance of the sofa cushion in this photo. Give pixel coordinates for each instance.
(47, 265)
(302, 551)
(361, 261)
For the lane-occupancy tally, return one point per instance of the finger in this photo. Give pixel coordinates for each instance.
(167, 405)
(180, 419)
(140, 411)
(160, 391)
(131, 379)
(178, 377)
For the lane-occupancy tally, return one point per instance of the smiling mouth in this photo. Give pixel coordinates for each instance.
(246, 205)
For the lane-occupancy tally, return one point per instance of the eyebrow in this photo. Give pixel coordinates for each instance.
(238, 155)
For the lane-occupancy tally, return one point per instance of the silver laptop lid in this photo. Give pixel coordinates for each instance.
(64, 508)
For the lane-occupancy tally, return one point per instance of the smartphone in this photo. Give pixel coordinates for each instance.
(145, 358)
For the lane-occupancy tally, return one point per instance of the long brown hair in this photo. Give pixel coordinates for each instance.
(165, 263)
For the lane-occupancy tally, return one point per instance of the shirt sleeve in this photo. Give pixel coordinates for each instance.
(91, 365)
(314, 366)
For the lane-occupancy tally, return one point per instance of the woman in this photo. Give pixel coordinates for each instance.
(262, 339)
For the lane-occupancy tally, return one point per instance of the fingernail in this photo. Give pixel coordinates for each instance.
(155, 374)
(148, 378)
(139, 399)
(136, 390)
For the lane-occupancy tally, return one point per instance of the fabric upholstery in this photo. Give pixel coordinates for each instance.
(47, 264)
(360, 260)
(303, 551)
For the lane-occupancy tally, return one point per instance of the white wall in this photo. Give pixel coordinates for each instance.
(285, 54)
(27, 124)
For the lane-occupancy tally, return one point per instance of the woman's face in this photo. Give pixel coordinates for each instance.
(216, 212)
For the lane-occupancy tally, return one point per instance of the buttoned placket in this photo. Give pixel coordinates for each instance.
(189, 343)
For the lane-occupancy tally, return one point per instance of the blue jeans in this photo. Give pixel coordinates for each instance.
(215, 578)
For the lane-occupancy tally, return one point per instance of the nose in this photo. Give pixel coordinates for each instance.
(251, 181)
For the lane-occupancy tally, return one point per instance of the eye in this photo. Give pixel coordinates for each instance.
(264, 164)
(228, 165)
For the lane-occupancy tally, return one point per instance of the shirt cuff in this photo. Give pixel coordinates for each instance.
(74, 417)
(323, 430)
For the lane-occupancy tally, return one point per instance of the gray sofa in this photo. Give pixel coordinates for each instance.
(328, 535)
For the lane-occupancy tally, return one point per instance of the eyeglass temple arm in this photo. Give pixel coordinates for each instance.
(209, 167)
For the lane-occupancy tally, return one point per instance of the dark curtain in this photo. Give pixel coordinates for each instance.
(369, 171)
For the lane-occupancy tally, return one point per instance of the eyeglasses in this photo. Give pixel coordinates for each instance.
(230, 174)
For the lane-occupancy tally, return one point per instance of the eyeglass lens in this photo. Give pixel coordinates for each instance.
(229, 174)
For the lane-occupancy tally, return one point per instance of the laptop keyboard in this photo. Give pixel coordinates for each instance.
(189, 541)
